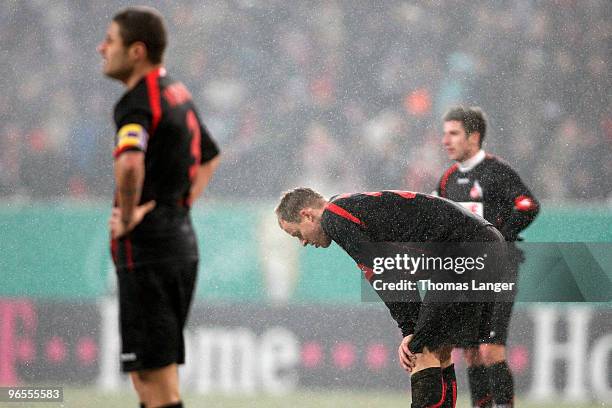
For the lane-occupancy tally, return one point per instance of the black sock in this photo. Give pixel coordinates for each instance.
(142, 405)
(175, 405)
(428, 388)
(479, 387)
(502, 385)
(448, 374)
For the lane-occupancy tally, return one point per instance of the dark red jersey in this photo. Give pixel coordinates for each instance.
(493, 190)
(158, 117)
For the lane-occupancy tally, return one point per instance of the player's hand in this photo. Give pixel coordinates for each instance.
(406, 357)
(118, 228)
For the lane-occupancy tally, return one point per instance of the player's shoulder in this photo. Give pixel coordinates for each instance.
(494, 162)
(136, 98)
(343, 199)
(450, 171)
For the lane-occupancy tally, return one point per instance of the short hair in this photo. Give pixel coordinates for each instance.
(144, 24)
(293, 201)
(472, 118)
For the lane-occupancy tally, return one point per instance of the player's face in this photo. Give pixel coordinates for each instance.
(459, 146)
(308, 231)
(116, 63)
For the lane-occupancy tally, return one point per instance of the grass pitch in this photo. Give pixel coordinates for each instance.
(92, 398)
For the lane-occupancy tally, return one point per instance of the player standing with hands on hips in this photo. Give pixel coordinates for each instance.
(164, 158)
(489, 187)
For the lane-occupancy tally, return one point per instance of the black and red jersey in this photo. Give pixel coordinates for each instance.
(158, 117)
(397, 216)
(490, 188)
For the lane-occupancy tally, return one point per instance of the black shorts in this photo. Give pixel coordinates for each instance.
(154, 301)
(457, 324)
(446, 324)
(496, 315)
(494, 323)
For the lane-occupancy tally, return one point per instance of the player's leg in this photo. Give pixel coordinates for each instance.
(448, 375)
(426, 382)
(155, 303)
(140, 388)
(478, 378)
(428, 345)
(493, 354)
(161, 386)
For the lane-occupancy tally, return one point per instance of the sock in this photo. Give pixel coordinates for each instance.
(428, 388)
(479, 387)
(502, 385)
(175, 405)
(142, 405)
(448, 375)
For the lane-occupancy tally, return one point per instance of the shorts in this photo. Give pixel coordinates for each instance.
(495, 321)
(496, 315)
(457, 324)
(154, 302)
(446, 324)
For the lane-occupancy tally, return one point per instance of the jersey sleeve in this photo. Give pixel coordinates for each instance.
(209, 149)
(522, 206)
(132, 120)
(441, 187)
(350, 236)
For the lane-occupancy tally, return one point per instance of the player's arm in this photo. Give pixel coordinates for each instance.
(405, 314)
(129, 178)
(202, 178)
(210, 158)
(351, 237)
(522, 204)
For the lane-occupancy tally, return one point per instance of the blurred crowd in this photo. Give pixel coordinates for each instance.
(338, 95)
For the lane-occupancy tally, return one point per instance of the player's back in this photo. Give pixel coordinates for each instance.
(403, 216)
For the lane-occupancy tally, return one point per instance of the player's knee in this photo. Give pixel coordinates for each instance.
(492, 353)
(472, 356)
(139, 386)
(444, 354)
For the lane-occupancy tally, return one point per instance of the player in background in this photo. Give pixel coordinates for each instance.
(489, 187)
(429, 330)
(164, 158)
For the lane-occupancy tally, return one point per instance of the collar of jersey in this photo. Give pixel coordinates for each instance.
(472, 162)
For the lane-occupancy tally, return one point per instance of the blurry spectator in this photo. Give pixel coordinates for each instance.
(358, 83)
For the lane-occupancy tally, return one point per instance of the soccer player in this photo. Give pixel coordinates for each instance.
(164, 158)
(429, 330)
(489, 187)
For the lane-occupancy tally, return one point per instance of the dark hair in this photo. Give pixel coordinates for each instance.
(144, 24)
(472, 118)
(293, 201)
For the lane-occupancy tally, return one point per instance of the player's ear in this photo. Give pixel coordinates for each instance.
(306, 214)
(138, 50)
(475, 137)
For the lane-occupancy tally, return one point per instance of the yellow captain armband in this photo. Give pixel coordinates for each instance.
(131, 137)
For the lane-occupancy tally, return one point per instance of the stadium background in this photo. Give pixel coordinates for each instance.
(341, 96)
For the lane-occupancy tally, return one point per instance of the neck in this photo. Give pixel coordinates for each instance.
(318, 212)
(140, 72)
(472, 161)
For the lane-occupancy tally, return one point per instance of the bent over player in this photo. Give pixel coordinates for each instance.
(429, 331)
(164, 158)
(489, 187)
